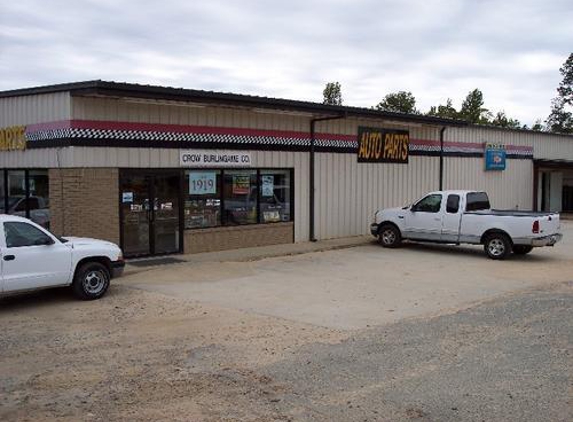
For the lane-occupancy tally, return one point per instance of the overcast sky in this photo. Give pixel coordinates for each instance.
(510, 49)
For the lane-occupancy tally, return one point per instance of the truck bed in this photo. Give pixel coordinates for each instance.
(511, 213)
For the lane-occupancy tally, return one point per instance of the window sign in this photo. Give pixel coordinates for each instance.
(268, 185)
(127, 197)
(202, 182)
(241, 184)
(494, 156)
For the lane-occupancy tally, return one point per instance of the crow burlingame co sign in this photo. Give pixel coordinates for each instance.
(210, 158)
(376, 145)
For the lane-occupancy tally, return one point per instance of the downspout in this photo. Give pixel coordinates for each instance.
(311, 236)
(442, 130)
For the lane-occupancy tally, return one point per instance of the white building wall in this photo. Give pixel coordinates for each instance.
(32, 109)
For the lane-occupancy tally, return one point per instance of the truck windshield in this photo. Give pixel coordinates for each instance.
(477, 201)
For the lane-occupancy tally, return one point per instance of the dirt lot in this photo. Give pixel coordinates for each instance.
(140, 356)
(356, 334)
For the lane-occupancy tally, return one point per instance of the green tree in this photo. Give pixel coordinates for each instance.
(447, 111)
(560, 119)
(332, 94)
(538, 126)
(565, 89)
(473, 109)
(502, 120)
(399, 102)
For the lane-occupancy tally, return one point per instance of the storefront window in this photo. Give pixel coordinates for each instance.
(275, 196)
(202, 199)
(240, 197)
(2, 193)
(38, 199)
(28, 194)
(17, 192)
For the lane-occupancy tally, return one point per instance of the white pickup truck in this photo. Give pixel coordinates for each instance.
(33, 258)
(466, 217)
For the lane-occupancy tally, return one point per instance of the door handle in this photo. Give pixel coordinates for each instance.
(437, 218)
(9, 257)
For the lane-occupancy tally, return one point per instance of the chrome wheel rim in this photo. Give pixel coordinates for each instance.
(496, 247)
(94, 282)
(388, 237)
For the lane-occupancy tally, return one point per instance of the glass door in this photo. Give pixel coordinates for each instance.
(135, 213)
(165, 217)
(150, 212)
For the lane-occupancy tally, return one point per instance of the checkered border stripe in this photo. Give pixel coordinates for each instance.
(416, 147)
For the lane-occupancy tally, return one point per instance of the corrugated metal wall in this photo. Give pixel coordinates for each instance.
(31, 109)
(347, 193)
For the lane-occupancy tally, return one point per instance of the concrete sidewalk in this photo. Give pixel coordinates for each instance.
(253, 254)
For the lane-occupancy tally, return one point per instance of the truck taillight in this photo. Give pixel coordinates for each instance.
(535, 228)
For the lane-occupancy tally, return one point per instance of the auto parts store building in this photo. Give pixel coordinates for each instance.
(163, 170)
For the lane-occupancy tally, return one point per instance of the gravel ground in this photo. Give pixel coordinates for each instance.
(138, 355)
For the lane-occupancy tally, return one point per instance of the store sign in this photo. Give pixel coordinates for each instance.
(13, 138)
(202, 182)
(209, 158)
(377, 145)
(494, 156)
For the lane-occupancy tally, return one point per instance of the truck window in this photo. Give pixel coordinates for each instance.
(477, 201)
(453, 204)
(430, 203)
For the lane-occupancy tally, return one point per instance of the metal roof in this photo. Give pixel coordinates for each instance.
(130, 90)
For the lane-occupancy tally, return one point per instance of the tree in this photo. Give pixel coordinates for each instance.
(398, 102)
(565, 89)
(502, 120)
(473, 110)
(332, 94)
(538, 126)
(560, 119)
(444, 111)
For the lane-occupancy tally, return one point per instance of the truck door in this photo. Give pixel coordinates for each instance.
(451, 219)
(424, 219)
(32, 259)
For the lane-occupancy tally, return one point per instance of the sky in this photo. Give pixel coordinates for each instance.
(437, 49)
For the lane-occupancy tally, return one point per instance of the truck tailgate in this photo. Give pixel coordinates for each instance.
(549, 224)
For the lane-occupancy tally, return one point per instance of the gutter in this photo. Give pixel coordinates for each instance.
(311, 234)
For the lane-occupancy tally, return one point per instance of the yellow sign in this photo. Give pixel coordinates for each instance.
(383, 145)
(13, 138)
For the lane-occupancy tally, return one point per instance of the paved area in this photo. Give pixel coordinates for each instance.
(360, 286)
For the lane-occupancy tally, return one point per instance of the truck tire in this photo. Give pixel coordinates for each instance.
(522, 249)
(91, 281)
(389, 236)
(497, 246)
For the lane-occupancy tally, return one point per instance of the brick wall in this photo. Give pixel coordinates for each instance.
(84, 202)
(223, 238)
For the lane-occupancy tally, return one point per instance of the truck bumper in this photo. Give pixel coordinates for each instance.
(117, 268)
(374, 229)
(547, 240)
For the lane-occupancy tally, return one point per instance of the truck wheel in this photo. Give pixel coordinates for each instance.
(389, 236)
(91, 281)
(497, 246)
(522, 249)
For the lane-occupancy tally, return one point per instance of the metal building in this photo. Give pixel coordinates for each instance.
(164, 170)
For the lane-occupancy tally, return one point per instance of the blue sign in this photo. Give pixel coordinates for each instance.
(494, 157)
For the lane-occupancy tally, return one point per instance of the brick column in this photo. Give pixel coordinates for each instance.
(84, 202)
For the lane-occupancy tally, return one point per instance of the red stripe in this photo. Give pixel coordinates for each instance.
(209, 130)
